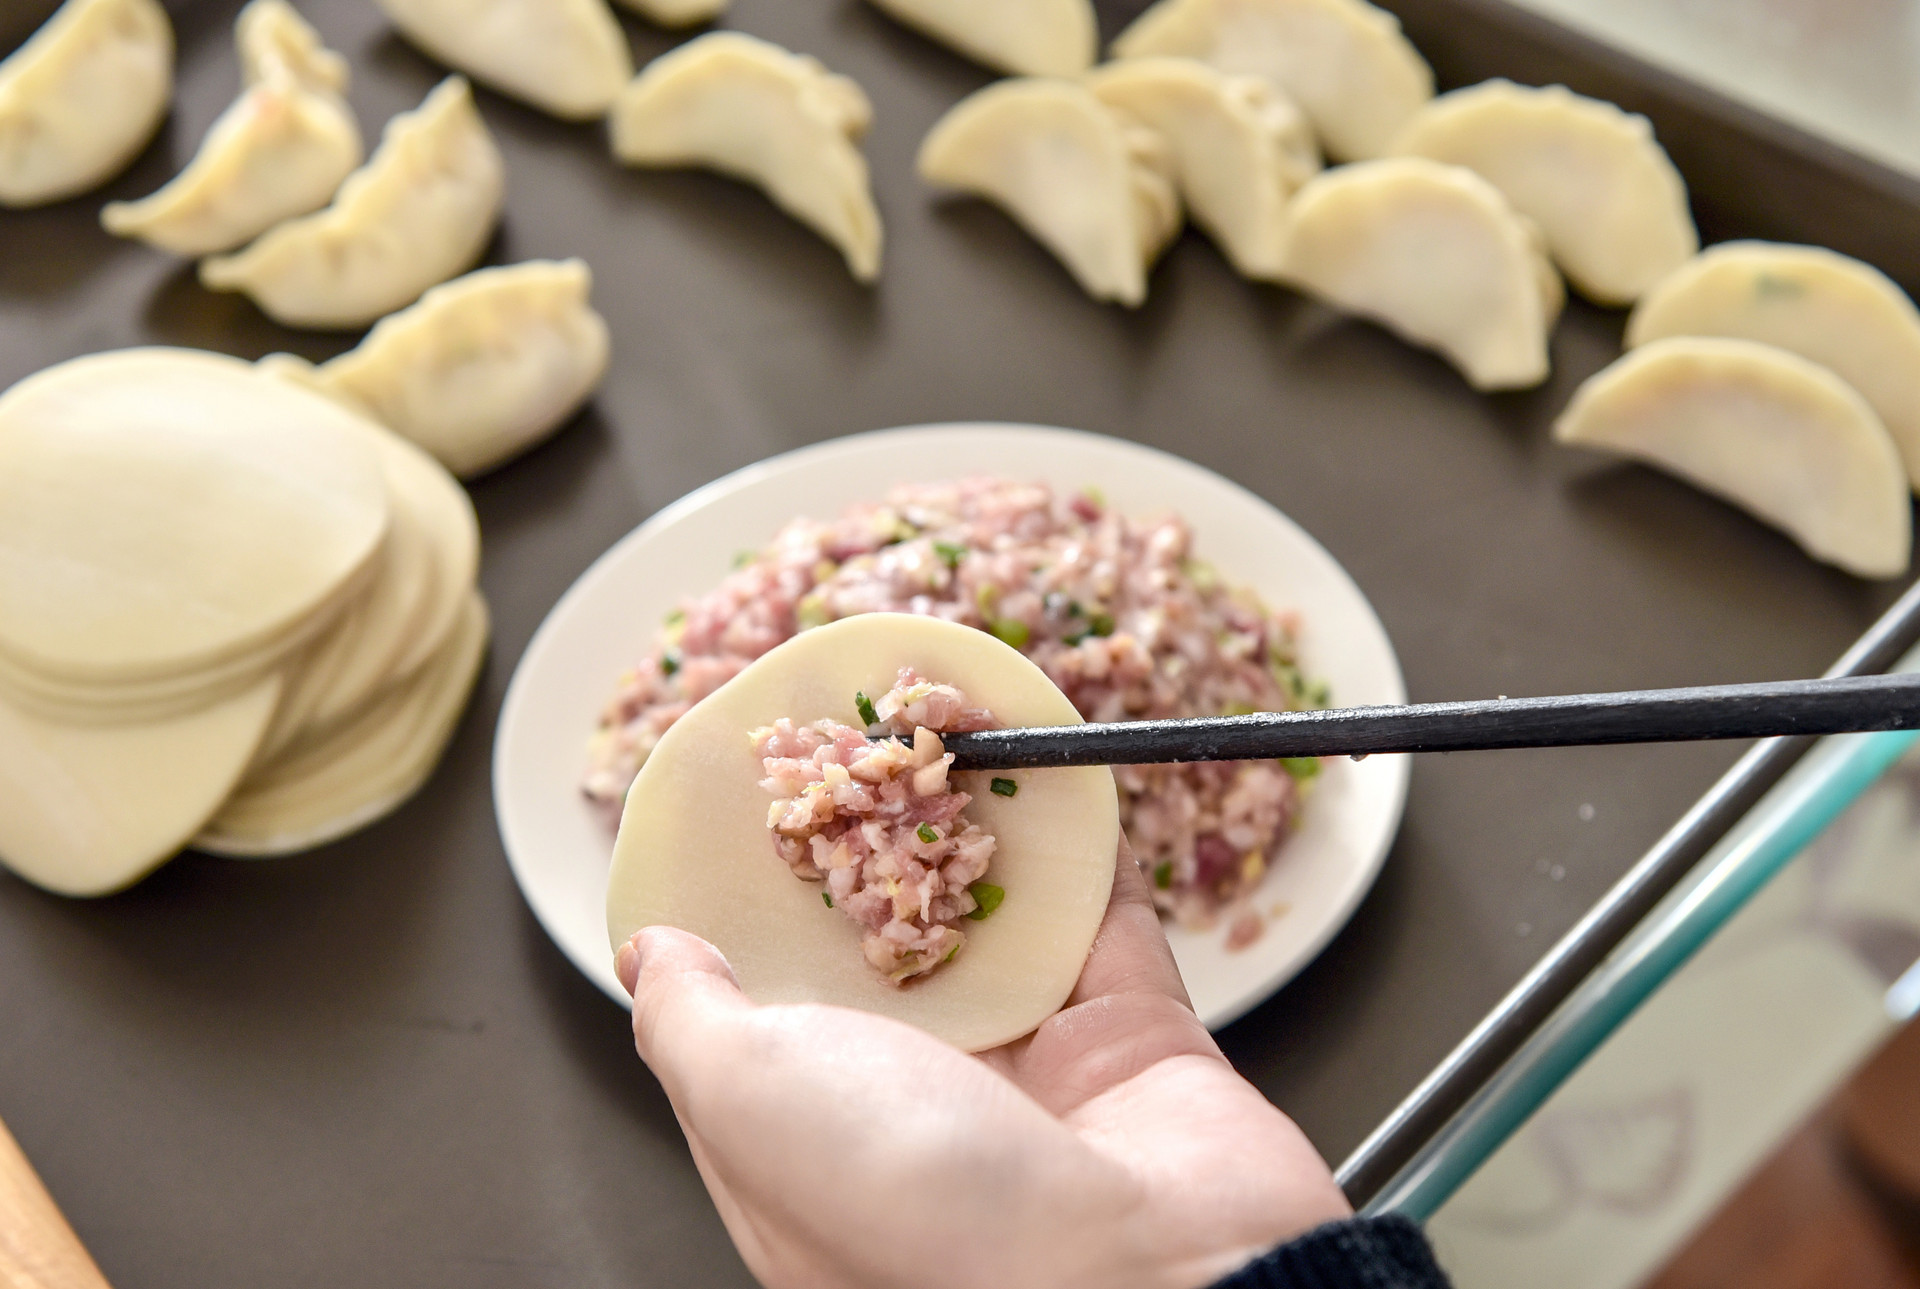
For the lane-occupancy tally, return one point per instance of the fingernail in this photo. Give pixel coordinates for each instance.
(626, 962)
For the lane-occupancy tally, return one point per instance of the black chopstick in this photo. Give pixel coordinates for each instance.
(1854, 704)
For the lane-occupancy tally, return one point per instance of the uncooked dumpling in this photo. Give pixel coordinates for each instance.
(482, 367)
(1092, 189)
(281, 150)
(694, 851)
(1612, 206)
(754, 111)
(1240, 148)
(1436, 254)
(566, 57)
(1783, 438)
(418, 212)
(81, 98)
(677, 13)
(1020, 37)
(1824, 306)
(1344, 61)
(317, 792)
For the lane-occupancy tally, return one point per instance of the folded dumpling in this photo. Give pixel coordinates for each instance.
(1240, 147)
(417, 213)
(281, 150)
(677, 13)
(566, 57)
(1093, 189)
(81, 98)
(1437, 255)
(482, 368)
(1344, 61)
(779, 120)
(1020, 37)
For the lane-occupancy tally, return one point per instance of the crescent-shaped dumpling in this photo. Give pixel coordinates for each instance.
(694, 851)
(483, 367)
(282, 149)
(1240, 148)
(1612, 206)
(319, 791)
(677, 13)
(418, 212)
(566, 57)
(1781, 437)
(1019, 37)
(1824, 306)
(754, 111)
(1091, 188)
(1437, 255)
(80, 99)
(1344, 61)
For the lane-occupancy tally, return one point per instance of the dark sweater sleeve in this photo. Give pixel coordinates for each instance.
(1360, 1253)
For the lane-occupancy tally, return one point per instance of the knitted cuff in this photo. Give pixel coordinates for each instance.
(1360, 1253)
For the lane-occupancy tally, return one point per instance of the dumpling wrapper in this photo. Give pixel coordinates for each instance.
(483, 367)
(1019, 37)
(1089, 187)
(756, 112)
(568, 58)
(1611, 204)
(694, 851)
(281, 150)
(1435, 254)
(1344, 61)
(425, 577)
(90, 809)
(1783, 438)
(81, 98)
(1240, 148)
(165, 510)
(677, 13)
(1824, 306)
(419, 212)
(364, 770)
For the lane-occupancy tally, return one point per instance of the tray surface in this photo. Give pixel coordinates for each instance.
(370, 1062)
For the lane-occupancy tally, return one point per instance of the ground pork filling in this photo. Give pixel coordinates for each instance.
(1116, 610)
(879, 824)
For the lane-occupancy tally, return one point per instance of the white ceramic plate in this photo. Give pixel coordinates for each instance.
(559, 846)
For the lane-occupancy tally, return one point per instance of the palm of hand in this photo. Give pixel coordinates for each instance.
(1114, 1146)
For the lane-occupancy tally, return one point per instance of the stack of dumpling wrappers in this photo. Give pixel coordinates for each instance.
(233, 614)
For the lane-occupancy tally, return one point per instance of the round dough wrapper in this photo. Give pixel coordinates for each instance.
(694, 851)
(89, 809)
(163, 511)
(363, 770)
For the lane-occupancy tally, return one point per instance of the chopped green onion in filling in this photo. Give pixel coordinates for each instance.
(1163, 874)
(827, 897)
(864, 705)
(926, 833)
(1301, 767)
(669, 662)
(950, 553)
(1012, 631)
(1005, 787)
(988, 897)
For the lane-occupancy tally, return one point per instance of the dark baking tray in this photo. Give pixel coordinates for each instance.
(368, 1065)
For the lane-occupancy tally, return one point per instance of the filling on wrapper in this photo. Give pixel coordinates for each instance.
(1118, 611)
(880, 824)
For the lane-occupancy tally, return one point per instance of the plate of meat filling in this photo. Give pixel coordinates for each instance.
(1062, 576)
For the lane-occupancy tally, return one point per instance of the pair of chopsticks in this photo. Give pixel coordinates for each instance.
(1845, 705)
(38, 1250)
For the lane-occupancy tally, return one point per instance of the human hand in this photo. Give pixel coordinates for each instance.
(1114, 1146)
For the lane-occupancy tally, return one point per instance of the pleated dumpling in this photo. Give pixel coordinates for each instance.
(417, 213)
(1240, 148)
(1783, 438)
(281, 150)
(1019, 37)
(482, 368)
(1611, 204)
(754, 111)
(1344, 61)
(1093, 189)
(1437, 255)
(81, 98)
(1817, 303)
(677, 13)
(565, 57)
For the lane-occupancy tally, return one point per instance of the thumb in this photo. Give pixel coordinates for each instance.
(681, 986)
